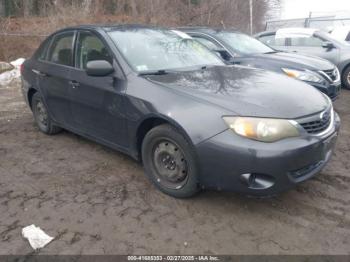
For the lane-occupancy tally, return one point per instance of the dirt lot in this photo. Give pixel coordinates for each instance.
(97, 201)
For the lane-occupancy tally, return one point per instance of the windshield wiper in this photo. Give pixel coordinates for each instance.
(154, 72)
(271, 52)
(169, 71)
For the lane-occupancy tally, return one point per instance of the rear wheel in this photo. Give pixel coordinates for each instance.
(346, 78)
(42, 117)
(170, 162)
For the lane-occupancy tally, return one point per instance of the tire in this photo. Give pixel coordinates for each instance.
(346, 78)
(170, 162)
(41, 116)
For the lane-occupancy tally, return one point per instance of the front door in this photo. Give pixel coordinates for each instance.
(97, 102)
(313, 46)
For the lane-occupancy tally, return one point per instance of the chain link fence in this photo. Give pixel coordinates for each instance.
(324, 23)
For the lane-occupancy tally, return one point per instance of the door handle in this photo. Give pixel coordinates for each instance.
(39, 73)
(74, 83)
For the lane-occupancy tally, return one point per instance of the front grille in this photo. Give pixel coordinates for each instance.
(318, 123)
(332, 74)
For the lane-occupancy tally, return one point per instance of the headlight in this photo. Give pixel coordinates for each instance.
(262, 129)
(308, 76)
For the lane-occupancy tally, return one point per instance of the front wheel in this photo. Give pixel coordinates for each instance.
(346, 78)
(42, 117)
(170, 162)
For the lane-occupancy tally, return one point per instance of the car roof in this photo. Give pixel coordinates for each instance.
(111, 27)
(206, 30)
(301, 30)
(265, 33)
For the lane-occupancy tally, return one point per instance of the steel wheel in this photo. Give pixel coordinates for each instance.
(42, 116)
(170, 164)
(348, 78)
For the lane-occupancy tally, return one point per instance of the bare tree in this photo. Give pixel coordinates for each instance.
(2, 8)
(28, 8)
(133, 8)
(87, 6)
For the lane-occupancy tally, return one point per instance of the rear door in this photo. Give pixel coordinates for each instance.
(54, 74)
(97, 102)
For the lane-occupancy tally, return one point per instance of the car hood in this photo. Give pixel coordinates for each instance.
(247, 91)
(296, 61)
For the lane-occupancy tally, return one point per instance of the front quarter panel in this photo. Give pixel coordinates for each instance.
(198, 120)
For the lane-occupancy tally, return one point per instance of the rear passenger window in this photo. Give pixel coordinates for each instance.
(91, 48)
(41, 53)
(306, 41)
(61, 51)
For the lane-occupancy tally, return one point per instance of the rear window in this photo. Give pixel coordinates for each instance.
(61, 51)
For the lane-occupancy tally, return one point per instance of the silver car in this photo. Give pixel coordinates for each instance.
(313, 42)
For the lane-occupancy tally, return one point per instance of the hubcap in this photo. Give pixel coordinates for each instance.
(348, 78)
(170, 164)
(41, 114)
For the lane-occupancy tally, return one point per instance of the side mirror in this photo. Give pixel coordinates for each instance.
(99, 68)
(328, 45)
(223, 54)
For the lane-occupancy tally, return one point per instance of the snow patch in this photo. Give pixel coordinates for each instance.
(14, 75)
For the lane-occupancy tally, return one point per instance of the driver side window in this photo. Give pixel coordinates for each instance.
(207, 43)
(214, 47)
(306, 41)
(90, 48)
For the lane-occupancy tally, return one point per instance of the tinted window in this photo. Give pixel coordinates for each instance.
(90, 48)
(348, 37)
(306, 41)
(61, 51)
(153, 49)
(272, 41)
(41, 54)
(209, 44)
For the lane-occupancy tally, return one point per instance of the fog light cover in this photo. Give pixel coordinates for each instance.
(257, 181)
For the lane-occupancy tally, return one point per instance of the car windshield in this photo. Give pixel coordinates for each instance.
(156, 49)
(334, 39)
(243, 44)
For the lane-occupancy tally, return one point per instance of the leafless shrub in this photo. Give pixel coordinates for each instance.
(40, 17)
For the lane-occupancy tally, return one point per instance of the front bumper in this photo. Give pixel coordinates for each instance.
(232, 163)
(331, 90)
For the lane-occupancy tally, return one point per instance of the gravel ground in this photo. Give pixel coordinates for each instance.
(97, 201)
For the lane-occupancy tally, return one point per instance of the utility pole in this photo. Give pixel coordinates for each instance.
(251, 16)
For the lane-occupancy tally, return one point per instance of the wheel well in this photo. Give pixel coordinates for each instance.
(344, 69)
(31, 93)
(144, 128)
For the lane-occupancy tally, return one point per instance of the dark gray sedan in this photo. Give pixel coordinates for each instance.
(238, 48)
(163, 98)
(313, 42)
